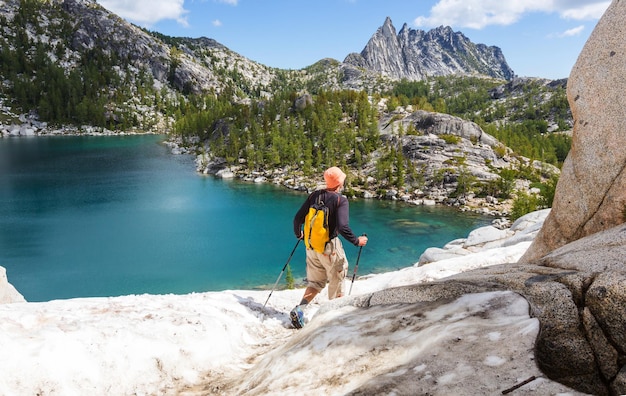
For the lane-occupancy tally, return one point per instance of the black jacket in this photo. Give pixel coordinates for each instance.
(338, 217)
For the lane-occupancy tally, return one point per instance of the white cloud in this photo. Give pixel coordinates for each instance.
(477, 14)
(573, 32)
(586, 11)
(217, 23)
(568, 33)
(148, 12)
(231, 2)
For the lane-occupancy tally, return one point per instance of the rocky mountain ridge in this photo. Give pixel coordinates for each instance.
(149, 65)
(71, 32)
(202, 65)
(416, 54)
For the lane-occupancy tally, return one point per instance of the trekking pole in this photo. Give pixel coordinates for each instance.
(356, 266)
(281, 272)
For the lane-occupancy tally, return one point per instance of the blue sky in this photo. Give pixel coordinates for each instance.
(539, 38)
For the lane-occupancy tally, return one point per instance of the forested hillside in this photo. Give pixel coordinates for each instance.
(343, 124)
(93, 87)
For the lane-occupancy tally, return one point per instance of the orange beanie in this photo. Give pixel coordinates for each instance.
(334, 177)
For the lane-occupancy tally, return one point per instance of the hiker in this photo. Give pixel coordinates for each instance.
(331, 265)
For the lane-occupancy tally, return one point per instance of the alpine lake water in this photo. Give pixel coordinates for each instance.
(85, 216)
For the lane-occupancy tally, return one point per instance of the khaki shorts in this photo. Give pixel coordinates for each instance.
(327, 268)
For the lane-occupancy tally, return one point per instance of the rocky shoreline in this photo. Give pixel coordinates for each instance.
(297, 181)
(443, 149)
(29, 127)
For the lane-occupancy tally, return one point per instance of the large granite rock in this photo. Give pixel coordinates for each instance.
(591, 193)
(578, 293)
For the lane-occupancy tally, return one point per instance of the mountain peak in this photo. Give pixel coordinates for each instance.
(442, 29)
(387, 30)
(416, 54)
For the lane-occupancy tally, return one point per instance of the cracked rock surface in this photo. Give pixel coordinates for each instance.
(577, 292)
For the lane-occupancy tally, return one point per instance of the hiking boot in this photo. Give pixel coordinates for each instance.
(297, 317)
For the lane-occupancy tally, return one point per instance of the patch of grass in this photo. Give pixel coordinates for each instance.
(451, 139)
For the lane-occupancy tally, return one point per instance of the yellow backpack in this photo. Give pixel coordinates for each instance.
(316, 230)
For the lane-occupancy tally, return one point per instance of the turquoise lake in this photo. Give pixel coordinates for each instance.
(85, 216)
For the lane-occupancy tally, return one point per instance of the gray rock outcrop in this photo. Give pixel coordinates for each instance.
(96, 27)
(577, 292)
(445, 124)
(440, 144)
(591, 192)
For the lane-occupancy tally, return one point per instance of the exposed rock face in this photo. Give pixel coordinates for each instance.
(591, 193)
(445, 124)
(184, 64)
(97, 27)
(437, 143)
(577, 292)
(416, 54)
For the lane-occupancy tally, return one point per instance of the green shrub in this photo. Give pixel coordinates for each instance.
(500, 150)
(523, 204)
(548, 189)
(450, 139)
(289, 278)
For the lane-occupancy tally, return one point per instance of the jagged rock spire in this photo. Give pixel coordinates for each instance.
(416, 54)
